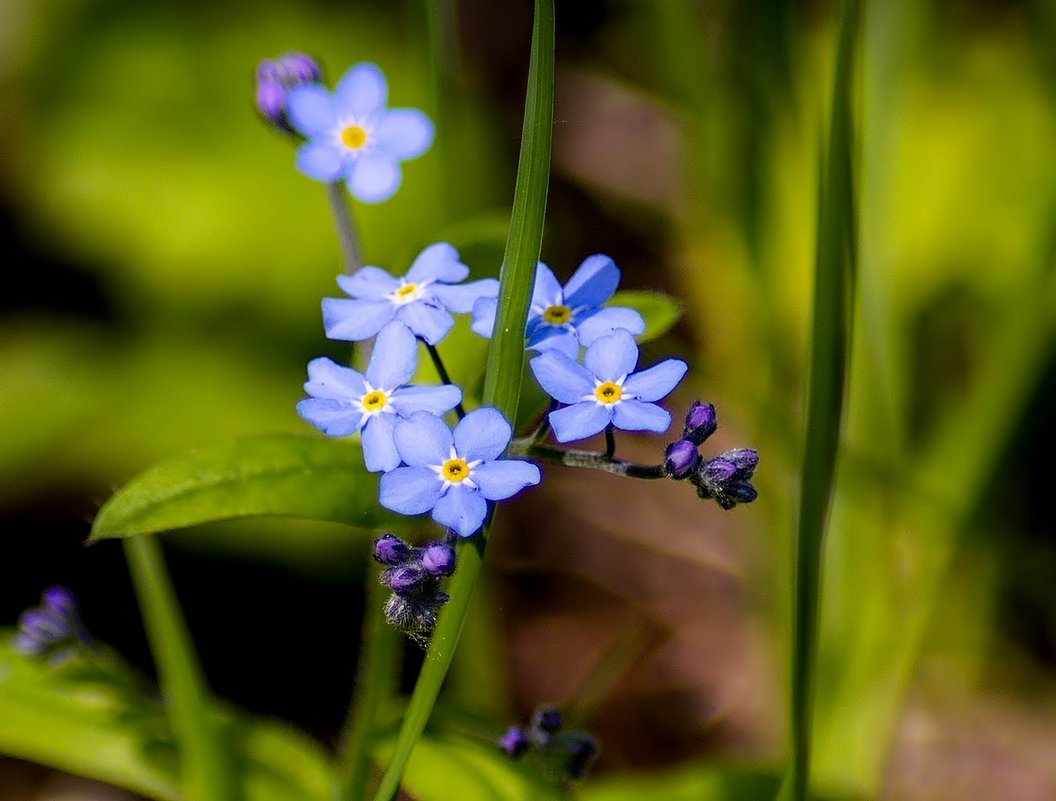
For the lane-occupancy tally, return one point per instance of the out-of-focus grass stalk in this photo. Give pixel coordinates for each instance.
(376, 682)
(341, 210)
(205, 770)
(830, 348)
(502, 383)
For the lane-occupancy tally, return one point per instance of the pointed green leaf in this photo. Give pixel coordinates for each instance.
(276, 474)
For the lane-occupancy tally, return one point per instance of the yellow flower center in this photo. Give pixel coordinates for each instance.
(353, 137)
(406, 293)
(375, 400)
(608, 392)
(557, 315)
(455, 470)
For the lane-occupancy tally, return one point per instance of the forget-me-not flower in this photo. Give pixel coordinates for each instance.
(353, 136)
(454, 473)
(565, 318)
(422, 300)
(344, 401)
(604, 389)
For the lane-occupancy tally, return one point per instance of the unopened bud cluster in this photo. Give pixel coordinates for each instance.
(726, 478)
(275, 78)
(53, 629)
(414, 574)
(570, 752)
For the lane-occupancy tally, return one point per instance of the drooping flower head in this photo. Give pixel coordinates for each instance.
(422, 300)
(563, 318)
(605, 389)
(454, 474)
(275, 78)
(352, 135)
(344, 401)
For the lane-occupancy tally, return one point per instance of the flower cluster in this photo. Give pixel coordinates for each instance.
(726, 477)
(570, 752)
(413, 575)
(53, 629)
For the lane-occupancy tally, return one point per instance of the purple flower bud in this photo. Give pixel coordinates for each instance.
(403, 579)
(52, 627)
(60, 601)
(680, 459)
(297, 68)
(391, 550)
(741, 491)
(514, 742)
(546, 719)
(44, 624)
(438, 559)
(718, 470)
(701, 422)
(583, 749)
(415, 614)
(746, 460)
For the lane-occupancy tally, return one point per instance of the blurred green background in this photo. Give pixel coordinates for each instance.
(164, 269)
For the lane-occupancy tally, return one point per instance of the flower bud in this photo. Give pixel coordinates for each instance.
(680, 459)
(391, 550)
(514, 742)
(582, 750)
(403, 579)
(274, 81)
(746, 460)
(297, 68)
(546, 719)
(438, 559)
(701, 422)
(717, 470)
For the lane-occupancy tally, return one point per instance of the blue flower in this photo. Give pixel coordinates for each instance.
(605, 390)
(344, 401)
(454, 474)
(353, 136)
(422, 300)
(565, 318)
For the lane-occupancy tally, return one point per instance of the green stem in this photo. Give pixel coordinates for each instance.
(441, 371)
(502, 382)
(205, 770)
(345, 223)
(585, 459)
(830, 348)
(375, 687)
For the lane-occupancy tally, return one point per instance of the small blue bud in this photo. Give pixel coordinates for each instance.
(391, 550)
(60, 601)
(438, 559)
(746, 460)
(403, 579)
(680, 459)
(297, 68)
(583, 748)
(741, 491)
(415, 614)
(718, 470)
(514, 742)
(274, 81)
(52, 628)
(701, 422)
(546, 719)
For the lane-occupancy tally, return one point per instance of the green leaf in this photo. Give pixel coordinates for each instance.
(275, 474)
(659, 310)
(696, 782)
(93, 717)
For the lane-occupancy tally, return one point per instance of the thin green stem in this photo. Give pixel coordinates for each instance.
(543, 429)
(502, 381)
(830, 349)
(375, 688)
(205, 770)
(345, 222)
(586, 459)
(441, 371)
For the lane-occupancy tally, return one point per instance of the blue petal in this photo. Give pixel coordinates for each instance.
(593, 282)
(362, 90)
(409, 490)
(311, 109)
(330, 416)
(423, 439)
(425, 320)
(503, 478)
(634, 415)
(604, 321)
(408, 400)
(404, 133)
(461, 298)
(437, 262)
(353, 320)
(374, 178)
(560, 377)
(579, 421)
(657, 381)
(328, 379)
(484, 317)
(611, 357)
(320, 161)
(371, 283)
(546, 291)
(482, 434)
(394, 357)
(462, 509)
(379, 451)
(561, 340)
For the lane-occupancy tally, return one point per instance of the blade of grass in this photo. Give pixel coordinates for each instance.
(830, 349)
(502, 383)
(205, 773)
